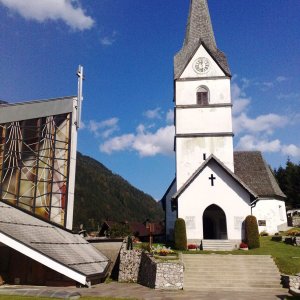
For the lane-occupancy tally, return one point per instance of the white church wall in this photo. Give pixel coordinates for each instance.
(272, 212)
(204, 120)
(189, 154)
(226, 193)
(170, 215)
(214, 69)
(219, 91)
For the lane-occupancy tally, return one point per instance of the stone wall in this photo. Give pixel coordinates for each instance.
(138, 266)
(129, 265)
(169, 275)
(289, 281)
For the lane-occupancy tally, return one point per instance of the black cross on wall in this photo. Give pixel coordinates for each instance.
(212, 178)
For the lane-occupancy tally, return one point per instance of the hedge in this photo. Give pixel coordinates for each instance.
(180, 235)
(251, 230)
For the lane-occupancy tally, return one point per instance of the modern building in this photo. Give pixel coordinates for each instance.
(38, 141)
(215, 188)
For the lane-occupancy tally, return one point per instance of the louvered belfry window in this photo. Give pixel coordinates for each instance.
(202, 96)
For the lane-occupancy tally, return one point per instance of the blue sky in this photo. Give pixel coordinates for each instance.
(127, 49)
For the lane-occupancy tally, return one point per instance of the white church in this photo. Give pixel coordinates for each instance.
(215, 188)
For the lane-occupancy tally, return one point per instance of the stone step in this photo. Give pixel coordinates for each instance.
(237, 275)
(227, 256)
(235, 280)
(222, 245)
(225, 267)
(231, 265)
(230, 276)
(230, 271)
(229, 286)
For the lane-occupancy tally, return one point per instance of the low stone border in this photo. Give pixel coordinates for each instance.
(292, 283)
(139, 266)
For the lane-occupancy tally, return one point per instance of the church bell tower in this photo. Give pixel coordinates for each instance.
(203, 109)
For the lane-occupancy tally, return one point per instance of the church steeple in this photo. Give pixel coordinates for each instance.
(199, 30)
(199, 25)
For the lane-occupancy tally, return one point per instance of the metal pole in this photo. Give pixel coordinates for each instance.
(79, 95)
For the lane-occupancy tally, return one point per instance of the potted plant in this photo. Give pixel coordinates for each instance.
(192, 247)
(243, 246)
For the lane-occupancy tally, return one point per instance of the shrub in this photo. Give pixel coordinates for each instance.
(251, 230)
(119, 230)
(276, 238)
(144, 246)
(180, 234)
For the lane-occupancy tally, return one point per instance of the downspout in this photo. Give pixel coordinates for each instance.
(253, 204)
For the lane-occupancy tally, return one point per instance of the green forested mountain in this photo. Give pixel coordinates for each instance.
(101, 195)
(288, 178)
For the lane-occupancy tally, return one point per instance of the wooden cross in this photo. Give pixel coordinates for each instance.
(212, 178)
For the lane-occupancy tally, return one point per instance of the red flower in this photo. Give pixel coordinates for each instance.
(243, 245)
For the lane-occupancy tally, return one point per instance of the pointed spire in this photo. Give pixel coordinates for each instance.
(199, 30)
(199, 25)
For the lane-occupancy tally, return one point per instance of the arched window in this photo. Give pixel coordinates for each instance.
(202, 95)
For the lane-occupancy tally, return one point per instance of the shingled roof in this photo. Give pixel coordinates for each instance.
(252, 169)
(199, 31)
(57, 248)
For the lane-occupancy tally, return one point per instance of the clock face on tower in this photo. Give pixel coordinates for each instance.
(201, 65)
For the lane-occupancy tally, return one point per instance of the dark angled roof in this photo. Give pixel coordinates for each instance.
(62, 246)
(227, 170)
(255, 172)
(164, 198)
(199, 31)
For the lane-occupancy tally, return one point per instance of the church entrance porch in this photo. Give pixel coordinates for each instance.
(214, 223)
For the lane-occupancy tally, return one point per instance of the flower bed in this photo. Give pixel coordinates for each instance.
(162, 250)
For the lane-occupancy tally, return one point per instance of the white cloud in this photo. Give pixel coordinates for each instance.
(263, 123)
(108, 40)
(239, 99)
(170, 116)
(104, 128)
(289, 96)
(153, 113)
(291, 150)
(251, 142)
(143, 142)
(281, 78)
(68, 11)
(119, 143)
(267, 85)
(255, 132)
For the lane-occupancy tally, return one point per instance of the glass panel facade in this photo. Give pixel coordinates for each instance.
(34, 165)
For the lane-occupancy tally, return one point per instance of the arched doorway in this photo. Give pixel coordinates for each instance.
(214, 223)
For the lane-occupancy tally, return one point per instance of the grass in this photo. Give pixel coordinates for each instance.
(286, 257)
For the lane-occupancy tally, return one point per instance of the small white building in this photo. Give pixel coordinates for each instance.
(215, 188)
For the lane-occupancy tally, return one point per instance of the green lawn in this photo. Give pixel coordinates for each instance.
(287, 257)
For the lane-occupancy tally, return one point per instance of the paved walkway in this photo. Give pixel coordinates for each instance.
(128, 290)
